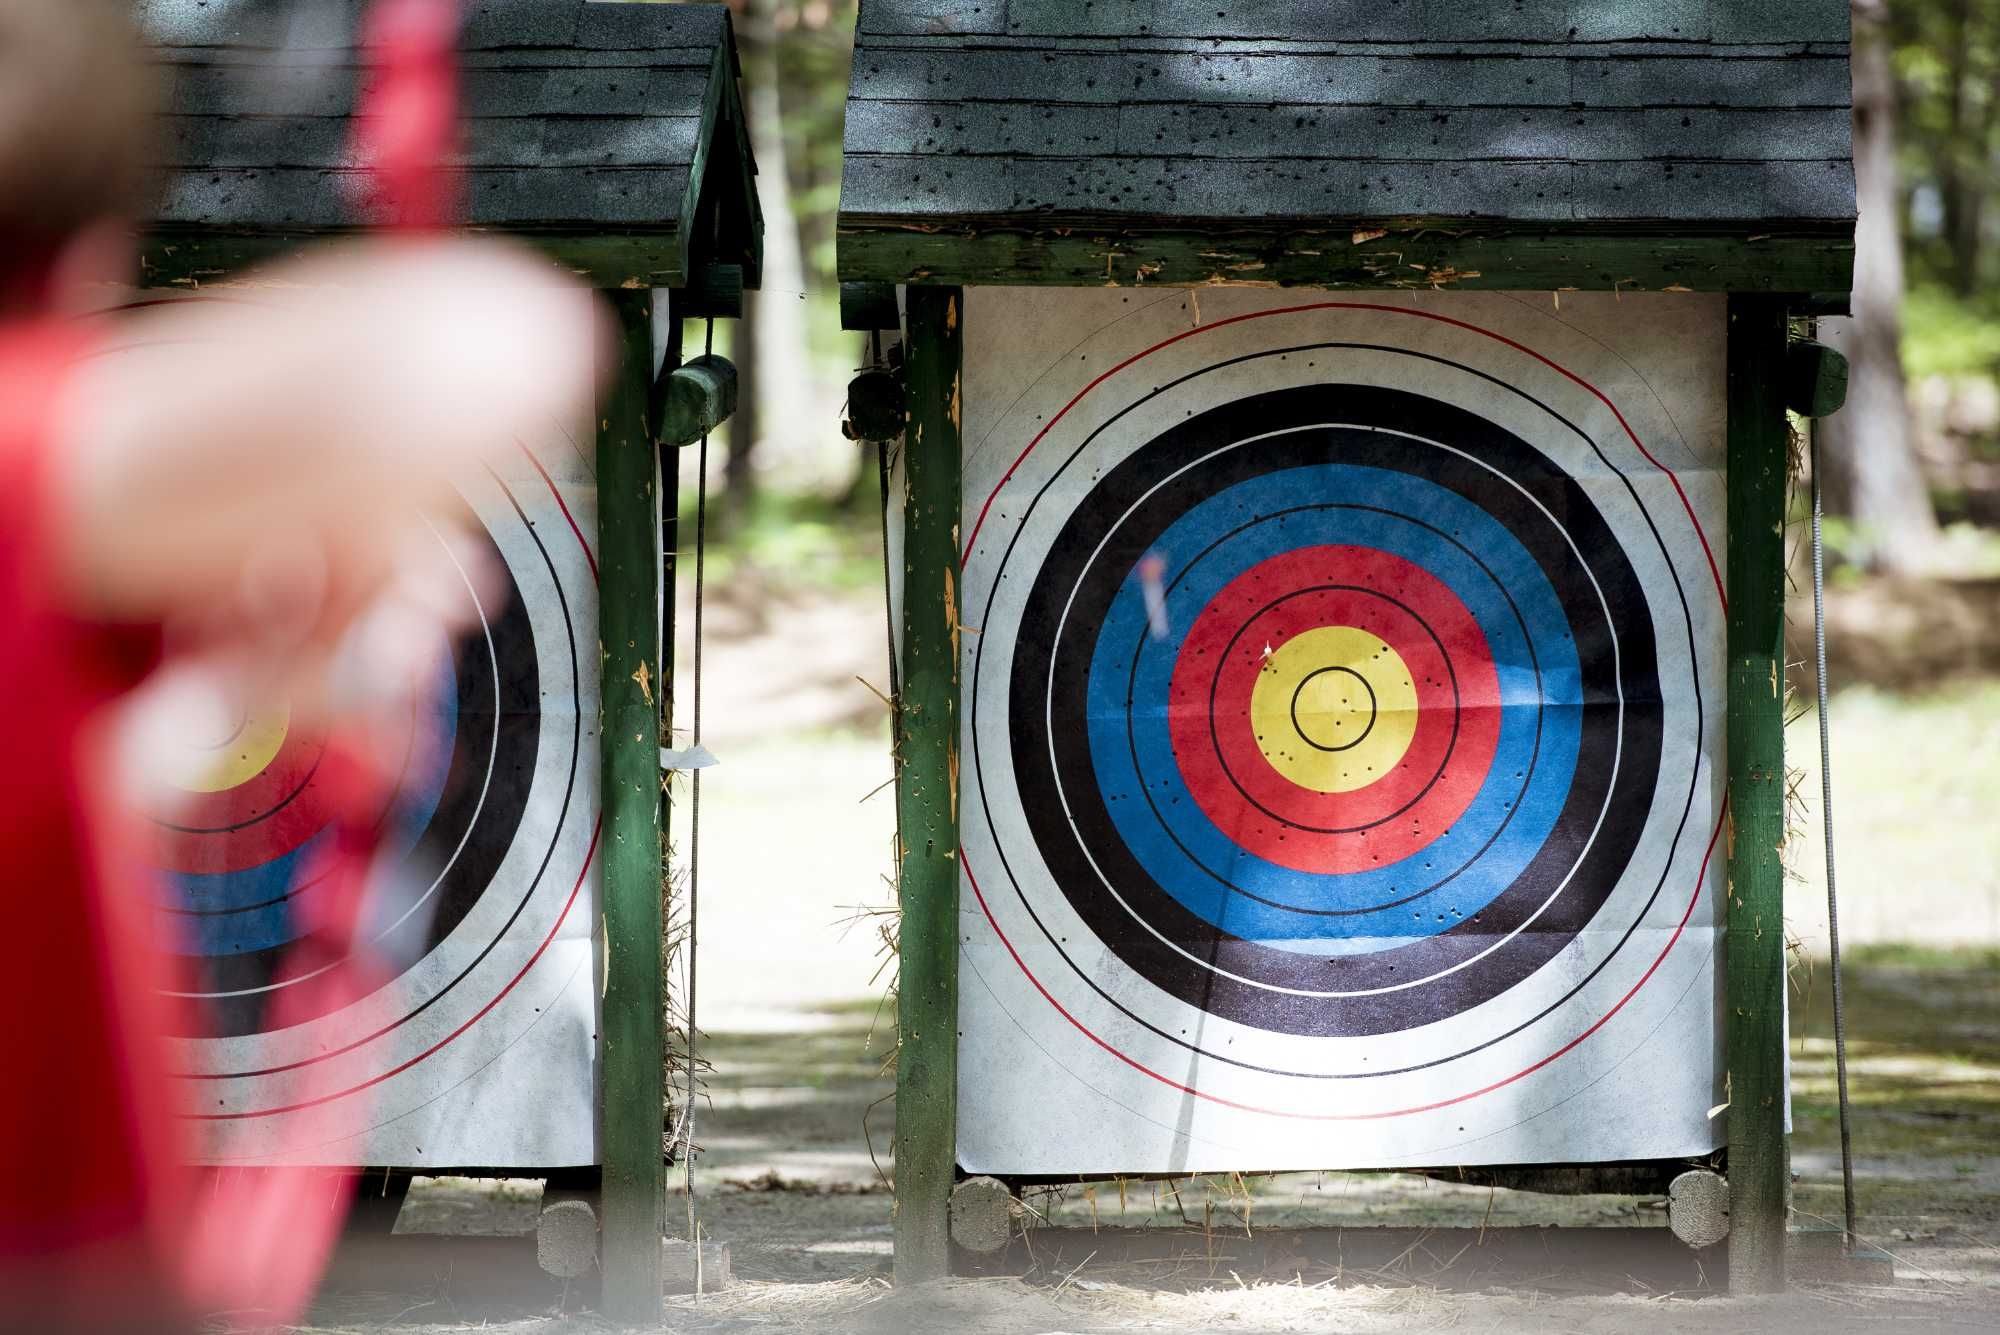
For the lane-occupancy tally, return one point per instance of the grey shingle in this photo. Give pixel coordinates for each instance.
(1579, 134)
(630, 26)
(1639, 20)
(935, 18)
(1292, 188)
(1715, 191)
(1706, 81)
(1781, 20)
(1054, 129)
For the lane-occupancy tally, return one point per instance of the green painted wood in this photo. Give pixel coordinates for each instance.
(867, 306)
(728, 220)
(631, 1041)
(927, 814)
(1759, 1161)
(1600, 258)
(605, 258)
(693, 400)
(876, 404)
(1815, 379)
(713, 290)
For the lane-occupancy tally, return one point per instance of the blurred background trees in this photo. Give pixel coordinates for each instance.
(1920, 438)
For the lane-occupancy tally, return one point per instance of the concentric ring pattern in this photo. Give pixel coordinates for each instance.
(484, 878)
(1375, 798)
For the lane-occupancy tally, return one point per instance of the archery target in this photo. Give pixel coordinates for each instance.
(1340, 714)
(480, 1050)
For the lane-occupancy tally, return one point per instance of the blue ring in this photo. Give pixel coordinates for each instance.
(1314, 913)
(235, 912)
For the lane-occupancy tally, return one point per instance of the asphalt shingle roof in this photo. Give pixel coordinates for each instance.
(1562, 112)
(581, 117)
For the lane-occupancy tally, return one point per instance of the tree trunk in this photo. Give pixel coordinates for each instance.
(746, 424)
(774, 353)
(1872, 472)
(1961, 167)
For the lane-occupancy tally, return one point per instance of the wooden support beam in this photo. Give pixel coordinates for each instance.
(630, 1040)
(1417, 255)
(927, 814)
(1759, 1162)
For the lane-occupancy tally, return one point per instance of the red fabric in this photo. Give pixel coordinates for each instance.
(92, 1153)
(406, 127)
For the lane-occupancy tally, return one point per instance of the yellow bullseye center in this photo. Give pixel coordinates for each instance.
(1334, 709)
(237, 758)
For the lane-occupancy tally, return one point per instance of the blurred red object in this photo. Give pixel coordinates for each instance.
(104, 1225)
(407, 127)
(93, 1184)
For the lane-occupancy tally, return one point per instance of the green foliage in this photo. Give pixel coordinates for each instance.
(1945, 334)
(815, 47)
(794, 541)
(1947, 63)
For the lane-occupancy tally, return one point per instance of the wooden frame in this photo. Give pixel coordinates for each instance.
(928, 710)
(631, 1029)
(927, 792)
(1342, 254)
(1759, 1164)
(634, 197)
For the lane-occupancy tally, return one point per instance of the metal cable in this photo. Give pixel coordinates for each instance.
(882, 470)
(694, 803)
(1826, 820)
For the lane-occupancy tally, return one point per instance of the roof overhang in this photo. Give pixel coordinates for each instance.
(610, 135)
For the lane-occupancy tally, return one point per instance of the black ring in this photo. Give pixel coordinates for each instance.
(1206, 988)
(1374, 707)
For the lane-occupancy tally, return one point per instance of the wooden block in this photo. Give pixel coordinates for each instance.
(1815, 379)
(692, 400)
(876, 405)
(566, 1235)
(684, 1269)
(1698, 1208)
(982, 1215)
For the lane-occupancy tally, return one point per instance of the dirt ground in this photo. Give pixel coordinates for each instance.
(795, 1122)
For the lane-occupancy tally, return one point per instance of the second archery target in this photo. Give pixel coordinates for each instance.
(1342, 705)
(474, 1041)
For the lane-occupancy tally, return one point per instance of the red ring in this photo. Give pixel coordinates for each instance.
(1265, 813)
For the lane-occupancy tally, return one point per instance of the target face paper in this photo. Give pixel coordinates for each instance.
(479, 1050)
(1342, 713)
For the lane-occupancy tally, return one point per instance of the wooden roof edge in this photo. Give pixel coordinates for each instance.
(201, 257)
(725, 227)
(1789, 256)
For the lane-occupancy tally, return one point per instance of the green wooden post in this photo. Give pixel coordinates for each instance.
(927, 814)
(630, 1042)
(1759, 1164)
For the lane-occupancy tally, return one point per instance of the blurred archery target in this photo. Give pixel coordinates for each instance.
(484, 870)
(1412, 794)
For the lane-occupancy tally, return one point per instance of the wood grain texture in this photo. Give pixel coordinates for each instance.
(1342, 253)
(927, 812)
(1759, 1160)
(631, 1039)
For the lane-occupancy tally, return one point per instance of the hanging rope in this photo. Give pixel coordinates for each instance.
(1826, 819)
(694, 805)
(883, 468)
